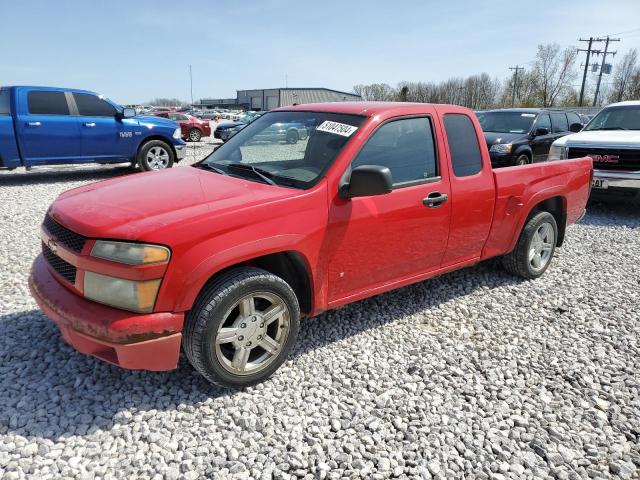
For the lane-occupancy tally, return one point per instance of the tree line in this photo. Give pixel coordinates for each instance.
(552, 79)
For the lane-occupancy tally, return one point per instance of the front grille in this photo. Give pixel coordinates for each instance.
(609, 158)
(63, 235)
(64, 269)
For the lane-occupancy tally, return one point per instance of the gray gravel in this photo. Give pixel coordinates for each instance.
(475, 374)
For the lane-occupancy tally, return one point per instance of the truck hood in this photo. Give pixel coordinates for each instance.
(128, 207)
(494, 138)
(602, 138)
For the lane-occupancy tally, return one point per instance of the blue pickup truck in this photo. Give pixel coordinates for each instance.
(53, 126)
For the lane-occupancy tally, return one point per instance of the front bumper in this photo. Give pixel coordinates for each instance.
(501, 159)
(618, 179)
(128, 340)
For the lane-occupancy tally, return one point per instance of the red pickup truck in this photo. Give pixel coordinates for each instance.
(223, 259)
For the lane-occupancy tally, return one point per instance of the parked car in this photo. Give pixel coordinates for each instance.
(249, 240)
(210, 115)
(612, 140)
(518, 136)
(191, 127)
(288, 132)
(50, 126)
(226, 132)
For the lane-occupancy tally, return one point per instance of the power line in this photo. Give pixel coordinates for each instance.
(515, 69)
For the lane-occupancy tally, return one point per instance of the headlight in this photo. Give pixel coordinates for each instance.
(177, 133)
(557, 152)
(121, 293)
(130, 253)
(501, 148)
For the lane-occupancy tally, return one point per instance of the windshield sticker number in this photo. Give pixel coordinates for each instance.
(335, 127)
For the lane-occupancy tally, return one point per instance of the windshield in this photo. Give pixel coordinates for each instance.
(506, 122)
(292, 149)
(616, 118)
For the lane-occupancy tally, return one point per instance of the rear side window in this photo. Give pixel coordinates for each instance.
(93, 106)
(466, 159)
(559, 121)
(405, 146)
(5, 107)
(47, 103)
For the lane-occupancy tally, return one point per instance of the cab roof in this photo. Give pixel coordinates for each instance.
(367, 109)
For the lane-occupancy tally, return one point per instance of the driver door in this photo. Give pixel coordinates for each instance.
(378, 240)
(104, 136)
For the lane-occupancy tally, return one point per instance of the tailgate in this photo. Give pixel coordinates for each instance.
(520, 188)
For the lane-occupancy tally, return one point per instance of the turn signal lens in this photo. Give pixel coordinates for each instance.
(130, 253)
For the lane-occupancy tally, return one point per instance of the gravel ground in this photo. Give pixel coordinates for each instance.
(475, 374)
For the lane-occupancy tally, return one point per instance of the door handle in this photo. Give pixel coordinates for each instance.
(34, 124)
(435, 199)
(90, 124)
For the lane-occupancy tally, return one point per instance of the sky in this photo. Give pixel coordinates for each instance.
(135, 51)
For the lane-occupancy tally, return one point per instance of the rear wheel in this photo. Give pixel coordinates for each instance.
(242, 327)
(535, 247)
(195, 135)
(155, 155)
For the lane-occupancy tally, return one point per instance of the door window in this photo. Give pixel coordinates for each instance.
(93, 106)
(544, 121)
(559, 121)
(47, 103)
(405, 146)
(573, 118)
(463, 145)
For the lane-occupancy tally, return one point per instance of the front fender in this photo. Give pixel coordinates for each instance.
(218, 261)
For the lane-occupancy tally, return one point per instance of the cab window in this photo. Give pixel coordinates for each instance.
(559, 121)
(405, 146)
(466, 158)
(47, 103)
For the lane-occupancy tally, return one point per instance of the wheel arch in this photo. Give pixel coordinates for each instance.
(290, 265)
(150, 138)
(556, 206)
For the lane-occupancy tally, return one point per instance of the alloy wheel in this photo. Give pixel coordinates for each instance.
(541, 247)
(157, 158)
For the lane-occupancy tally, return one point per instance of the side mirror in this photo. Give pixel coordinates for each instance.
(541, 131)
(367, 180)
(575, 127)
(128, 113)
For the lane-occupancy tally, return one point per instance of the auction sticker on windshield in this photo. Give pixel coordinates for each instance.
(337, 128)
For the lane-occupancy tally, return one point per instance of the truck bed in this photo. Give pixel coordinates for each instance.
(519, 188)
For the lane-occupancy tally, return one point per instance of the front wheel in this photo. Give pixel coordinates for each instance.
(522, 160)
(155, 155)
(241, 327)
(535, 247)
(292, 136)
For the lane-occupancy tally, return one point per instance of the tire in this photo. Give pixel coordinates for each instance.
(222, 305)
(195, 135)
(523, 159)
(155, 155)
(292, 136)
(522, 260)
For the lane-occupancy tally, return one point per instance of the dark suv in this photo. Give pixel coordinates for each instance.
(517, 136)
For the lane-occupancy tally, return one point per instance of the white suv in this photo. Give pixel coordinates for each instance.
(612, 139)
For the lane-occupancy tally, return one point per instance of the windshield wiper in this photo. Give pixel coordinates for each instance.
(261, 173)
(211, 167)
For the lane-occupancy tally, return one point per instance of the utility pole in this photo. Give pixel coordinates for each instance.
(191, 83)
(604, 58)
(586, 66)
(515, 69)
